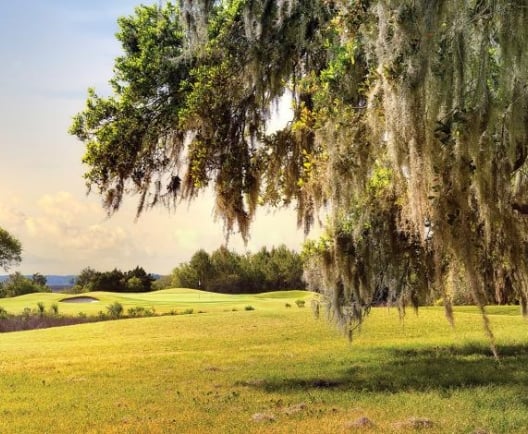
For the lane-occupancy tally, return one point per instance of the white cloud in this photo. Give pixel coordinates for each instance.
(68, 231)
(64, 208)
(61, 233)
(74, 224)
(11, 217)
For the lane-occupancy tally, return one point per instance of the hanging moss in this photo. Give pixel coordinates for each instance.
(410, 129)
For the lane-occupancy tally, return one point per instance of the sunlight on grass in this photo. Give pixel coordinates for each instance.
(217, 372)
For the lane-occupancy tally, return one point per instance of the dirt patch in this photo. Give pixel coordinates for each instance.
(263, 417)
(362, 422)
(414, 423)
(295, 408)
(80, 299)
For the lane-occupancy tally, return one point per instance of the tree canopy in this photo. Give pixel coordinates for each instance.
(229, 272)
(17, 284)
(135, 280)
(409, 128)
(10, 250)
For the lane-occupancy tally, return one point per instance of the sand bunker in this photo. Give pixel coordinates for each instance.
(80, 299)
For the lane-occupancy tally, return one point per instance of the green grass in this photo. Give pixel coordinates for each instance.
(162, 301)
(211, 373)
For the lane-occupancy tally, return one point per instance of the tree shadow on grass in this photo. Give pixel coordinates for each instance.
(435, 368)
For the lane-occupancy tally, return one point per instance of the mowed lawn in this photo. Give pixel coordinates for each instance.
(270, 370)
(164, 301)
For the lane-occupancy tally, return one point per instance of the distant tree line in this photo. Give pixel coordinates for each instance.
(229, 272)
(136, 280)
(17, 284)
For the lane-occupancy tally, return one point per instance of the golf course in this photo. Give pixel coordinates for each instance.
(260, 363)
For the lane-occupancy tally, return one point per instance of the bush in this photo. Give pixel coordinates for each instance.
(249, 308)
(54, 309)
(41, 309)
(140, 311)
(136, 311)
(287, 305)
(115, 310)
(150, 311)
(188, 311)
(77, 289)
(3, 313)
(300, 303)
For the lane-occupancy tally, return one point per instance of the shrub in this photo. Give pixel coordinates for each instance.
(188, 311)
(249, 308)
(3, 313)
(140, 311)
(150, 311)
(77, 289)
(287, 305)
(26, 313)
(115, 310)
(41, 309)
(136, 311)
(54, 309)
(300, 303)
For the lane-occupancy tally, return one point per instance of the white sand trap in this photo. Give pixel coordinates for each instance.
(80, 299)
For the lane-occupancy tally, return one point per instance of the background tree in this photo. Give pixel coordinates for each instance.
(228, 272)
(163, 282)
(203, 269)
(184, 276)
(256, 271)
(141, 280)
(39, 279)
(17, 284)
(10, 250)
(136, 280)
(85, 279)
(409, 124)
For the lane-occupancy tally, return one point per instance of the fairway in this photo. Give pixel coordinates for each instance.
(271, 370)
(164, 301)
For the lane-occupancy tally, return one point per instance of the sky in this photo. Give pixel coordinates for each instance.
(51, 51)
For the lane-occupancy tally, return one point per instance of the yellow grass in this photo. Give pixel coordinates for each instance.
(215, 372)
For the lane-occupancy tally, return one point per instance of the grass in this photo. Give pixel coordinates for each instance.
(163, 301)
(214, 372)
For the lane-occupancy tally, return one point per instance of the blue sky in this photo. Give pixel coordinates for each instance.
(51, 52)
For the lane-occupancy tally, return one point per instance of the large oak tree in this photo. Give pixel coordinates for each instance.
(410, 129)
